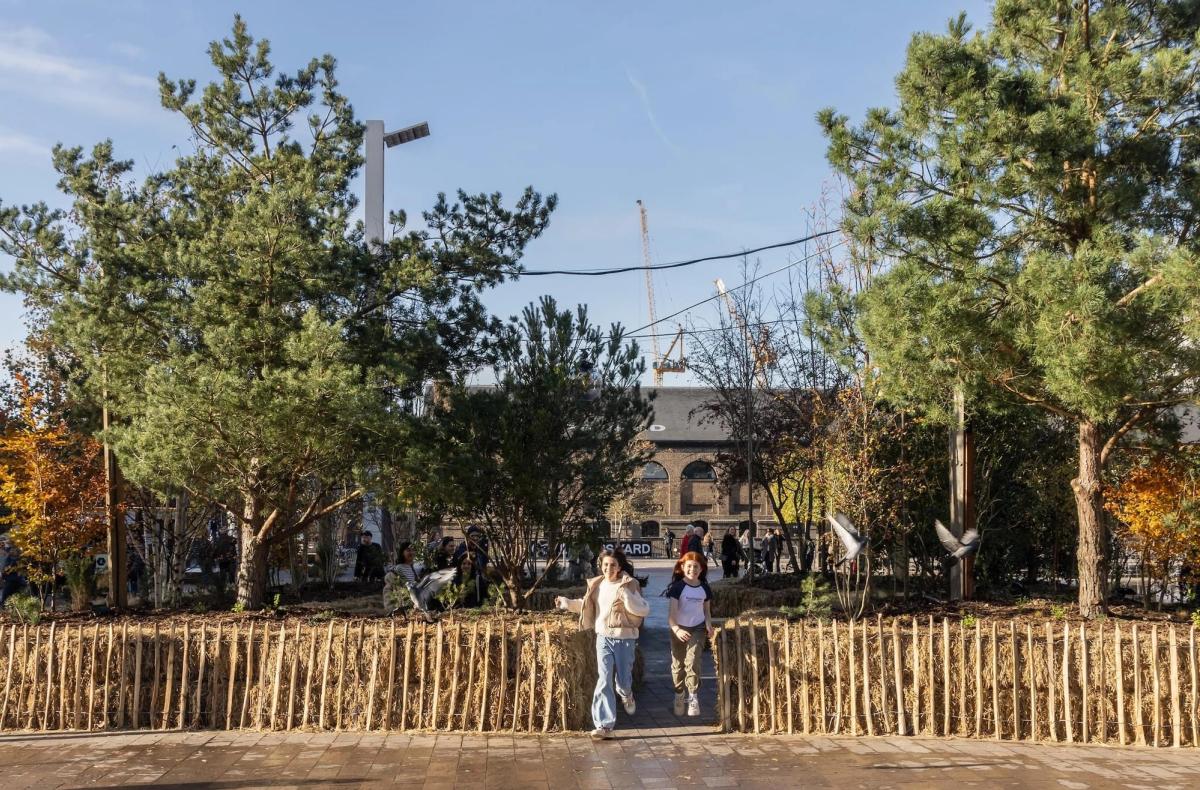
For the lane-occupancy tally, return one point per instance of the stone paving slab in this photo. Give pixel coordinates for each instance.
(243, 761)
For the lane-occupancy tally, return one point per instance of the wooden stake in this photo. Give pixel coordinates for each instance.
(1068, 719)
(866, 681)
(726, 679)
(325, 675)
(1102, 687)
(244, 718)
(437, 676)
(824, 728)
(995, 686)
(1083, 683)
(503, 678)
(787, 674)
(852, 661)
(309, 670)
(371, 682)
(978, 679)
(883, 675)
(533, 672)
(1158, 736)
(737, 624)
(214, 676)
(76, 720)
(1139, 716)
(771, 665)
(421, 681)
(1192, 668)
(962, 678)
(343, 670)
(36, 663)
(260, 699)
(157, 679)
(278, 675)
(1120, 678)
(457, 663)
(468, 698)
(231, 683)
(916, 676)
(202, 658)
(1030, 663)
(183, 677)
(549, 678)
(291, 697)
(12, 644)
(165, 722)
(121, 681)
(486, 670)
(91, 676)
(408, 641)
(899, 673)
(754, 674)
(1052, 718)
(1013, 680)
(946, 729)
(108, 653)
(62, 677)
(391, 680)
(932, 716)
(49, 676)
(1176, 713)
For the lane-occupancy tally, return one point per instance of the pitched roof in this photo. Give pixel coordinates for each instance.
(673, 418)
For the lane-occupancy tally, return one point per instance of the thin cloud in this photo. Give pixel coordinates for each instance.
(34, 66)
(16, 144)
(644, 95)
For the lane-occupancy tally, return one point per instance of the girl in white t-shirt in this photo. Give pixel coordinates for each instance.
(690, 620)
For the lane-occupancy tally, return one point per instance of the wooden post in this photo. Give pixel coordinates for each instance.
(916, 675)
(437, 675)
(1192, 668)
(231, 683)
(533, 673)
(1068, 719)
(184, 685)
(457, 663)
(244, 717)
(1176, 714)
(725, 690)
(165, 721)
(1030, 662)
(202, 649)
(483, 685)
(108, 653)
(1158, 735)
(91, 676)
(1139, 718)
(1052, 718)
(292, 673)
(215, 676)
(885, 709)
(852, 662)
(503, 678)
(1102, 687)
(391, 680)
(408, 642)
(137, 679)
(866, 681)
(962, 678)
(737, 624)
(787, 675)
(995, 687)
(1083, 683)
(518, 654)
(899, 673)
(278, 675)
(309, 670)
(63, 662)
(824, 728)
(260, 699)
(837, 681)
(371, 682)
(978, 679)
(154, 688)
(121, 681)
(549, 684)
(1120, 678)
(771, 665)
(12, 640)
(421, 680)
(36, 665)
(49, 675)
(1014, 681)
(341, 678)
(946, 728)
(325, 675)
(754, 674)
(932, 683)
(76, 720)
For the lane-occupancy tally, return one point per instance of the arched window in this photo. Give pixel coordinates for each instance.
(650, 529)
(699, 470)
(654, 472)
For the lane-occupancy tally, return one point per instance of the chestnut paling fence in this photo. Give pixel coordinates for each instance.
(1116, 683)
(483, 674)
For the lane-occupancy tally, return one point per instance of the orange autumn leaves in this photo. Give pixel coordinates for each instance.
(1158, 506)
(51, 484)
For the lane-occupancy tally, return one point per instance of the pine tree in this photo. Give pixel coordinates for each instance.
(1035, 193)
(256, 351)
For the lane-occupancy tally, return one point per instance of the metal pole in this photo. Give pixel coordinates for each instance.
(373, 205)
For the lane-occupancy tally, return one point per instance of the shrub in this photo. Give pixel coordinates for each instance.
(25, 608)
(81, 581)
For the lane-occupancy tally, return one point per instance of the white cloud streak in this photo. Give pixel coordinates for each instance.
(33, 66)
(644, 95)
(14, 144)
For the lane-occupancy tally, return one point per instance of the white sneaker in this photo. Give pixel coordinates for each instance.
(629, 703)
(601, 734)
(693, 705)
(680, 704)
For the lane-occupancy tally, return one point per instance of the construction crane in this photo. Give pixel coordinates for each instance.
(662, 363)
(760, 347)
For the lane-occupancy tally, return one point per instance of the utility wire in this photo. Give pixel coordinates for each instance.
(709, 330)
(738, 287)
(676, 264)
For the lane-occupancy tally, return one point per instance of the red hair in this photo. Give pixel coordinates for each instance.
(691, 556)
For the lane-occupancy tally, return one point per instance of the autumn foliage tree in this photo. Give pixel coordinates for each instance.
(1155, 505)
(51, 484)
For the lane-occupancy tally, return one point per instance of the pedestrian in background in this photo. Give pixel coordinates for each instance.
(731, 552)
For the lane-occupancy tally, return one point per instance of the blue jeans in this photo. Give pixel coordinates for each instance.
(612, 654)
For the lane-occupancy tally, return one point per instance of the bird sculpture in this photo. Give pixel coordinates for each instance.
(959, 548)
(424, 592)
(854, 542)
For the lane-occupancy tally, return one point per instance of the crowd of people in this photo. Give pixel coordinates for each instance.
(734, 551)
(468, 558)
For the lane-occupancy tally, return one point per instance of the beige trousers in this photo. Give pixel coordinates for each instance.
(685, 659)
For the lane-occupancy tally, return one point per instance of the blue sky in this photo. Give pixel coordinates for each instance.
(703, 110)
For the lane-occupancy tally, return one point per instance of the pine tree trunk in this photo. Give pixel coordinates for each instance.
(252, 570)
(1089, 507)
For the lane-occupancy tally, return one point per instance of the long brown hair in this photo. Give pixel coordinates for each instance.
(691, 556)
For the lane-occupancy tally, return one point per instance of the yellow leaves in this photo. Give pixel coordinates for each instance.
(1156, 505)
(52, 484)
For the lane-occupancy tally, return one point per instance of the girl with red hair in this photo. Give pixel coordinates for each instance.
(690, 620)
